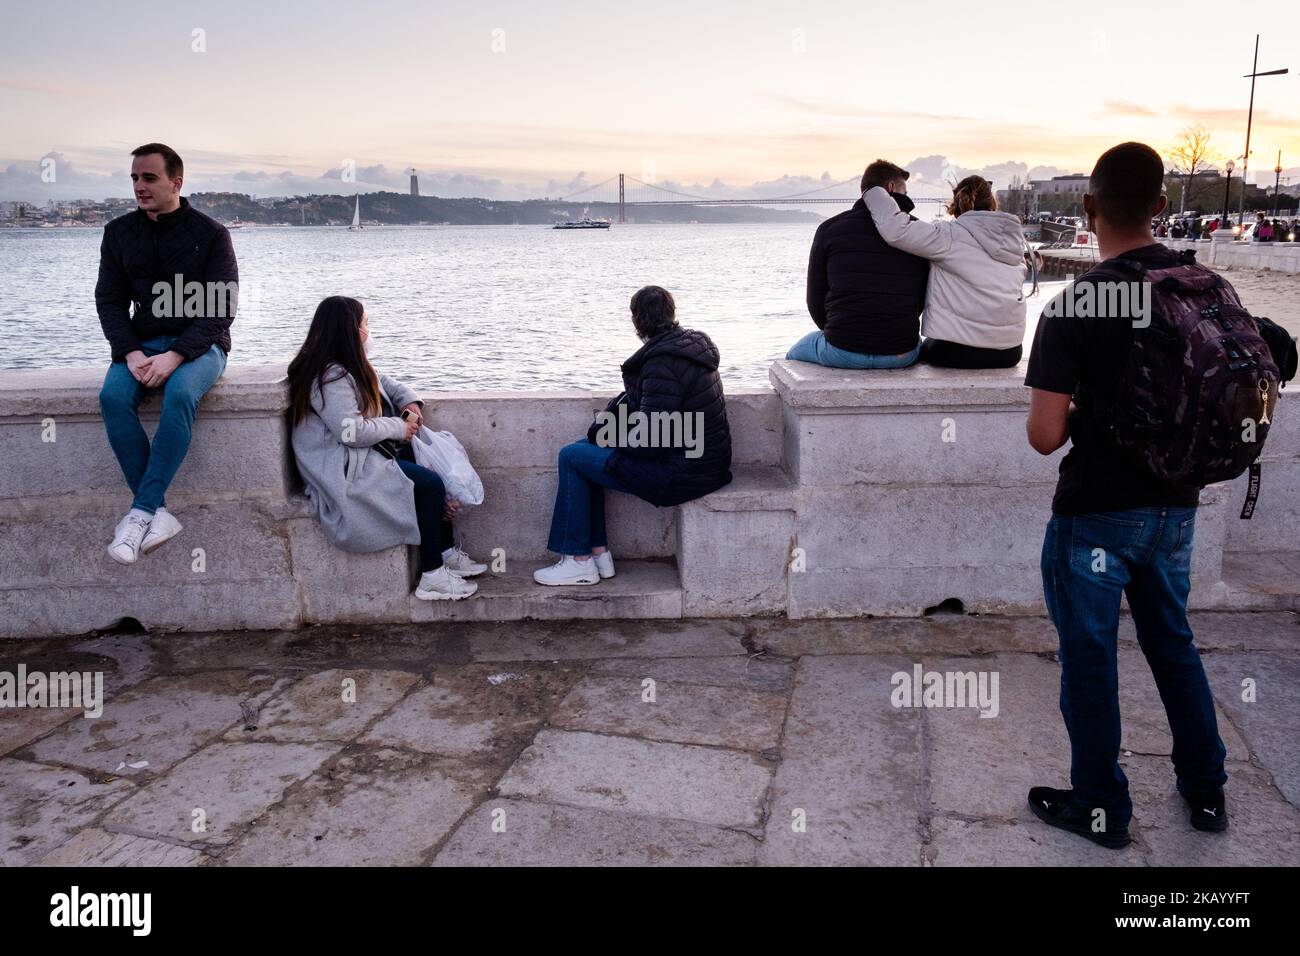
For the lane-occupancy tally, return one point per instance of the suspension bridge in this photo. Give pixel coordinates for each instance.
(625, 191)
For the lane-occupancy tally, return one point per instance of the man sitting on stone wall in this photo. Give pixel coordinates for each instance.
(166, 295)
(865, 296)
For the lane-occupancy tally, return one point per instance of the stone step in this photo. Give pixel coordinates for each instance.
(733, 546)
(1262, 580)
(640, 589)
(752, 488)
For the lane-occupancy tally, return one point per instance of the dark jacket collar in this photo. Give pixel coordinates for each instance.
(166, 220)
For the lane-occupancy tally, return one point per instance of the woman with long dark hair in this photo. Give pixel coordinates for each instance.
(673, 390)
(345, 416)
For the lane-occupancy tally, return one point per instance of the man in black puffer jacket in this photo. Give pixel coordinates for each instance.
(665, 440)
(166, 295)
(865, 296)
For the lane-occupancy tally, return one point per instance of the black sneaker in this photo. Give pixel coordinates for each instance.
(1208, 811)
(1057, 809)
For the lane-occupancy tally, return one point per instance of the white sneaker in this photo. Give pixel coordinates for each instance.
(128, 535)
(604, 564)
(458, 562)
(162, 529)
(444, 585)
(568, 570)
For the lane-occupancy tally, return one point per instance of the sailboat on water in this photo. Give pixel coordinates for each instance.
(356, 216)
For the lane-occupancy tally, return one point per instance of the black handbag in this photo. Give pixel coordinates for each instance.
(389, 447)
(594, 427)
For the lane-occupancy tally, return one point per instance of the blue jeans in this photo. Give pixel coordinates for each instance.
(1088, 562)
(149, 470)
(813, 347)
(578, 521)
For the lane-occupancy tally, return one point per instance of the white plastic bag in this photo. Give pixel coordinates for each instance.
(441, 453)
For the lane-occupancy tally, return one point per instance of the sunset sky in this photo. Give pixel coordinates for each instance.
(524, 99)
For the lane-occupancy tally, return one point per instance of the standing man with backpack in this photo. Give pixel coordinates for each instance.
(1164, 384)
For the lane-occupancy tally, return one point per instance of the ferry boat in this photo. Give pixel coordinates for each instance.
(583, 223)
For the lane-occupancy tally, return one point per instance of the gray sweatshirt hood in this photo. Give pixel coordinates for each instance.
(999, 234)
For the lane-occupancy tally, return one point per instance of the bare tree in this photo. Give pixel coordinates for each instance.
(1191, 153)
(1017, 197)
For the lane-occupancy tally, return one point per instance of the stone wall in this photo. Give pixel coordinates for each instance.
(1276, 256)
(847, 500)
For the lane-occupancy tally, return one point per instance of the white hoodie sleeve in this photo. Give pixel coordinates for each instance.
(929, 239)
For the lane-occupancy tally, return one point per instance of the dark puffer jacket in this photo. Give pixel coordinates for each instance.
(137, 253)
(674, 372)
(864, 294)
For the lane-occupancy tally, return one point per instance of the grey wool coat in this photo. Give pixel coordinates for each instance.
(363, 500)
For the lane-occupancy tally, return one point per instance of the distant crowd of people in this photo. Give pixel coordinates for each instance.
(1261, 229)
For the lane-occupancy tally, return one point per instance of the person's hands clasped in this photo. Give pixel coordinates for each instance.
(156, 370)
(137, 363)
(452, 508)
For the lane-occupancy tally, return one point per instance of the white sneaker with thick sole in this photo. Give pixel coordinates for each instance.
(458, 562)
(162, 529)
(604, 564)
(444, 585)
(568, 570)
(128, 535)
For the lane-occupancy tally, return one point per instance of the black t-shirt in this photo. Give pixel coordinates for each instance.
(1084, 358)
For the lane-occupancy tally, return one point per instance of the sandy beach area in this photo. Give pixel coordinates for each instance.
(1273, 294)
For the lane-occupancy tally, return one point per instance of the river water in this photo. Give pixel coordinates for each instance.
(452, 307)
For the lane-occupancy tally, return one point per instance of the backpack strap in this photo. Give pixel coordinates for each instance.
(1186, 257)
(1133, 265)
(1252, 492)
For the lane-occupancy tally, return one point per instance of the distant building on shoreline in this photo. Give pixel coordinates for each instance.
(1063, 195)
(1060, 195)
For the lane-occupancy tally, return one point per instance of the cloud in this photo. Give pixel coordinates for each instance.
(21, 179)
(31, 180)
(938, 171)
(1125, 108)
(1231, 118)
(825, 108)
(48, 89)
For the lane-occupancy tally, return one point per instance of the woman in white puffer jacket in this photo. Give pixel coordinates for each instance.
(975, 301)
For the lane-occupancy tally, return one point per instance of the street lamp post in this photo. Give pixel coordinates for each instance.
(1227, 191)
(1250, 114)
(1277, 182)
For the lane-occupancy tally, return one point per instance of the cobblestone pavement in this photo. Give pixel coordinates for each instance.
(728, 742)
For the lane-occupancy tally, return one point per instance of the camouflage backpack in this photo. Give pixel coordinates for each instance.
(1200, 386)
